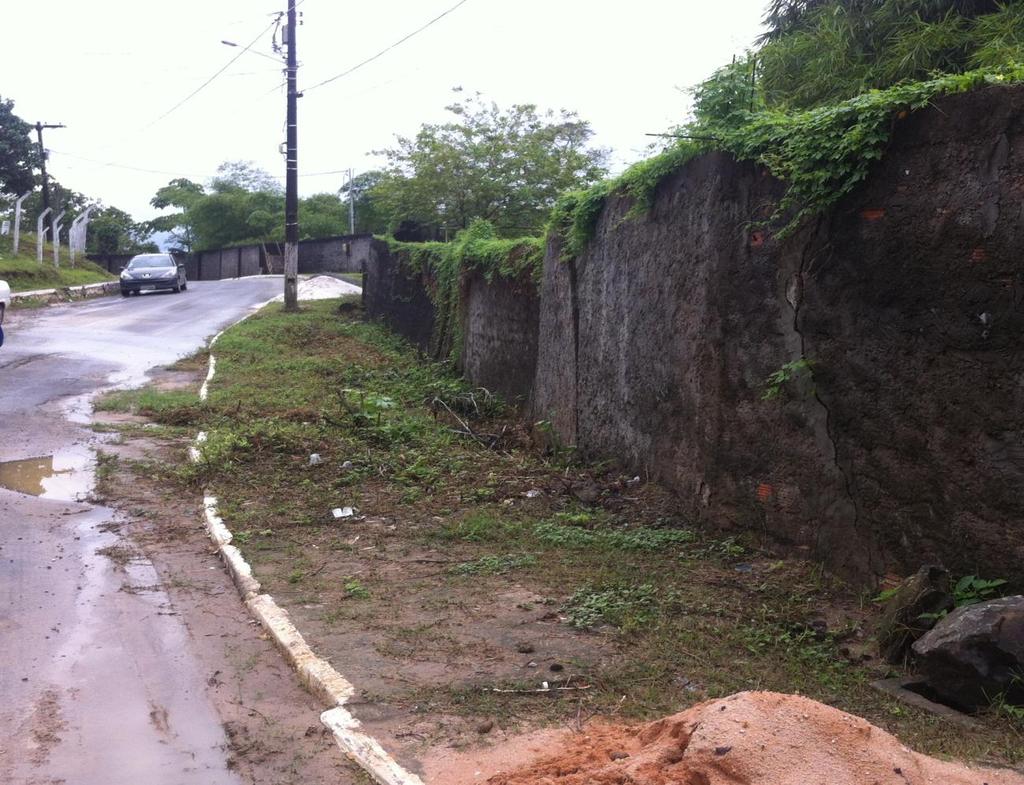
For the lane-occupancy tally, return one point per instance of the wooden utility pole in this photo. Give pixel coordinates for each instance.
(42, 159)
(351, 203)
(291, 182)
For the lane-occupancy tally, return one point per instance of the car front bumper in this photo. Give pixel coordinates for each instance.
(148, 284)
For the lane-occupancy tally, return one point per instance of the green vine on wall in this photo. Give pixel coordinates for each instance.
(475, 249)
(821, 154)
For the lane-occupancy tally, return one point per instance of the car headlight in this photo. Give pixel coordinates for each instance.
(170, 273)
(125, 274)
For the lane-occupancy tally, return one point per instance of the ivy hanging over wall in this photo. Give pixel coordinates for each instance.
(443, 265)
(820, 154)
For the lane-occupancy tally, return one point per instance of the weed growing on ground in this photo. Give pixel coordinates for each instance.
(356, 590)
(635, 539)
(626, 607)
(494, 565)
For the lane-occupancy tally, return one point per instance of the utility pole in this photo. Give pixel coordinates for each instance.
(351, 204)
(42, 159)
(291, 182)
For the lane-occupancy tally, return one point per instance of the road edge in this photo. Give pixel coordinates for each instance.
(316, 673)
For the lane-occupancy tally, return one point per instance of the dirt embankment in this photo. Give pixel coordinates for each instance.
(751, 738)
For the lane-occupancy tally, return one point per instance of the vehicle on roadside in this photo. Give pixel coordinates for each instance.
(5, 302)
(149, 272)
(5, 299)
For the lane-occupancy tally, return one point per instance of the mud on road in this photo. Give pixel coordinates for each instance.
(271, 724)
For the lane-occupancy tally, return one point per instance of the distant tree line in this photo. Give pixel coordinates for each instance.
(110, 230)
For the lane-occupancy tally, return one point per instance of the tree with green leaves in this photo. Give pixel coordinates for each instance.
(242, 205)
(181, 194)
(506, 166)
(114, 231)
(19, 157)
(370, 215)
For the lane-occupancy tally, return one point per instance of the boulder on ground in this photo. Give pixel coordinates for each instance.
(976, 653)
(912, 611)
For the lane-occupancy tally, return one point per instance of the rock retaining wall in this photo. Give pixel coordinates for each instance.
(902, 442)
(898, 436)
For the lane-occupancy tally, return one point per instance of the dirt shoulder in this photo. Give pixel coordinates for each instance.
(477, 585)
(271, 723)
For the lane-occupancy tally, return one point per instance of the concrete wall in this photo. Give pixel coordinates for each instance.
(901, 444)
(399, 296)
(499, 323)
(345, 254)
(905, 442)
(348, 254)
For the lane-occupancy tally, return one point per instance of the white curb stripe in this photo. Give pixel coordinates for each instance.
(318, 675)
(204, 391)
(365, 750)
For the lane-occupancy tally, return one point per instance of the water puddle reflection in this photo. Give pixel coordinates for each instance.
(66, 475)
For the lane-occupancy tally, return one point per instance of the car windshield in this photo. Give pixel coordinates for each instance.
(141, 262)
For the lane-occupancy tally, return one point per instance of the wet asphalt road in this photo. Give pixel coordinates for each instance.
(97, 686)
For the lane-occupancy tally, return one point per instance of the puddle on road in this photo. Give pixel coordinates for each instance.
(66, 475)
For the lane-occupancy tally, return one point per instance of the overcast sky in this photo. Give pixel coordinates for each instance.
(111, 69)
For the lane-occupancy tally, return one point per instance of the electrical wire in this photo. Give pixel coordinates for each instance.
(129, 167)
(225, 67)
(116, 165)
(388, 49)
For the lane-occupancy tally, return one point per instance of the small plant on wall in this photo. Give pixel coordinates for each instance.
(789, 372)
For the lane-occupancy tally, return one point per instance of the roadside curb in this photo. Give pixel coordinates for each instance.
(103, 287)
(317, 674)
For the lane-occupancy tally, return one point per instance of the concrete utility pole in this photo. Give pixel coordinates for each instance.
(42, 159)
(291, 182)
(17, 220)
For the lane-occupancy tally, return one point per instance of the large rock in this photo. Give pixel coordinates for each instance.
(912, 611)
(976, 653)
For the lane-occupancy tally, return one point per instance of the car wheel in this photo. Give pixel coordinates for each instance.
(125, 292)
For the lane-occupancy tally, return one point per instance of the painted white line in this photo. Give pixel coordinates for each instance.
(318, 675)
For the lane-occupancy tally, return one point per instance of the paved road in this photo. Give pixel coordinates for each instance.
(97, 686)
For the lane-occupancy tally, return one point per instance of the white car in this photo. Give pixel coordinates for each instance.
(5, 299)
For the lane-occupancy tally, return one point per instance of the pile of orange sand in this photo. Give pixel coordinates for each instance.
(752, 738)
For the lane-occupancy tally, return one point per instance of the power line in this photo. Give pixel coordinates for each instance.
(388, 49)
(225, 67)
(144, 170)
(116, 165)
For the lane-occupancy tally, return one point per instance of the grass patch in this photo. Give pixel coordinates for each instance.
(492, 564)
(448, 558)
(169, 407)
(637, 539)
(626, 607)
(26, 274)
